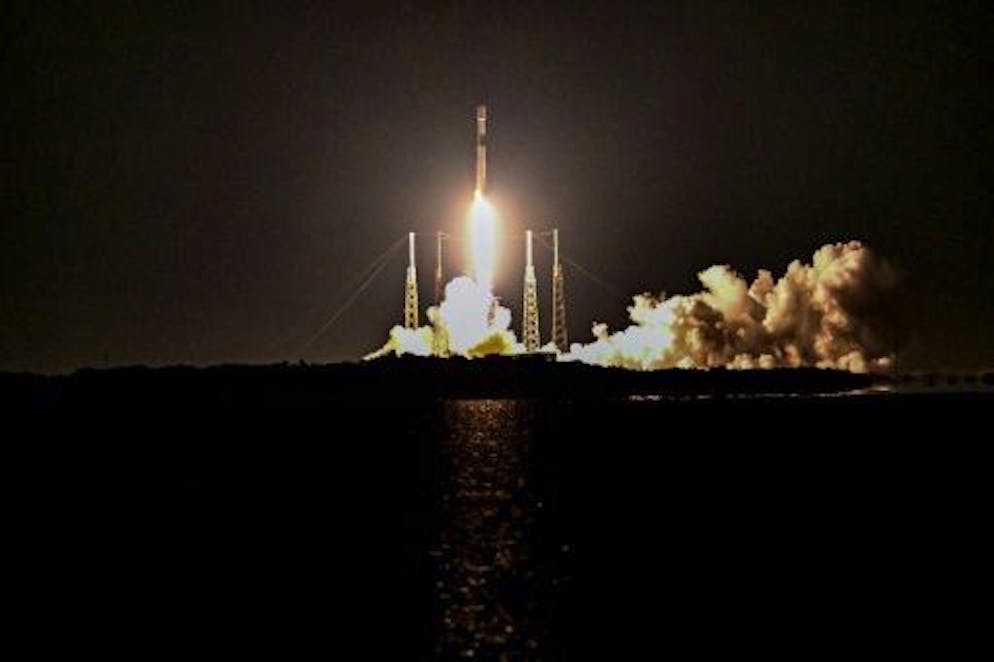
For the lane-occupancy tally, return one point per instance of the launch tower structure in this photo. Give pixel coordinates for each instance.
(529, 328)
(559, 335)
(411, 288)
(438, 269)
(439, 338)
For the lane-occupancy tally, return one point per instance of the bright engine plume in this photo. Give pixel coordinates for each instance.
(483, 241)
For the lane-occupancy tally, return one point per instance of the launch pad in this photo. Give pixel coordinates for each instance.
(481, 233)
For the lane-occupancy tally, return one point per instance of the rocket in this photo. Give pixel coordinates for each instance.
(481, 149)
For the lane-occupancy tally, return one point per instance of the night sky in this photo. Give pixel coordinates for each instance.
(202, 185)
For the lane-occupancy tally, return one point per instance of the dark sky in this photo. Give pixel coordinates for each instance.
(191, 184)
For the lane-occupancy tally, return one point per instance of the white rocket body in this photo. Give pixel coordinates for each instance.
(481, 149)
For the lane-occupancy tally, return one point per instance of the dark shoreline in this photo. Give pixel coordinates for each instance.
(345, 499)
(408, 378)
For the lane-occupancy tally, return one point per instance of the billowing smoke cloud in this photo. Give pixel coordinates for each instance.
(468, 323)
(833, 313)
(826, 314)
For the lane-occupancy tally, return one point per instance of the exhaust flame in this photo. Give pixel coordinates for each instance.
(483, 241)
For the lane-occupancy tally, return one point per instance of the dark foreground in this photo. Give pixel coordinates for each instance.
(281, 515)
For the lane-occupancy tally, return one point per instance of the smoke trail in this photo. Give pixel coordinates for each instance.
(831, 313)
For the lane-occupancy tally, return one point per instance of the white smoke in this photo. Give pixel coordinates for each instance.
(832, 313)
(469, 322)
(826, 314)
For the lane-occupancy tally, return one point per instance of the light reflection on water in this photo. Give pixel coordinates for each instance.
(484, 584)
(876, 389)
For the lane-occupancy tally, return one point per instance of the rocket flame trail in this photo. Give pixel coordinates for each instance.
(469, 321)
(483, 241)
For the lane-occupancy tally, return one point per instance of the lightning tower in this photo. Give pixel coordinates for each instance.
(439, 338)
(559, 335)
(529, 325)
(411, 288)
(438, 269)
